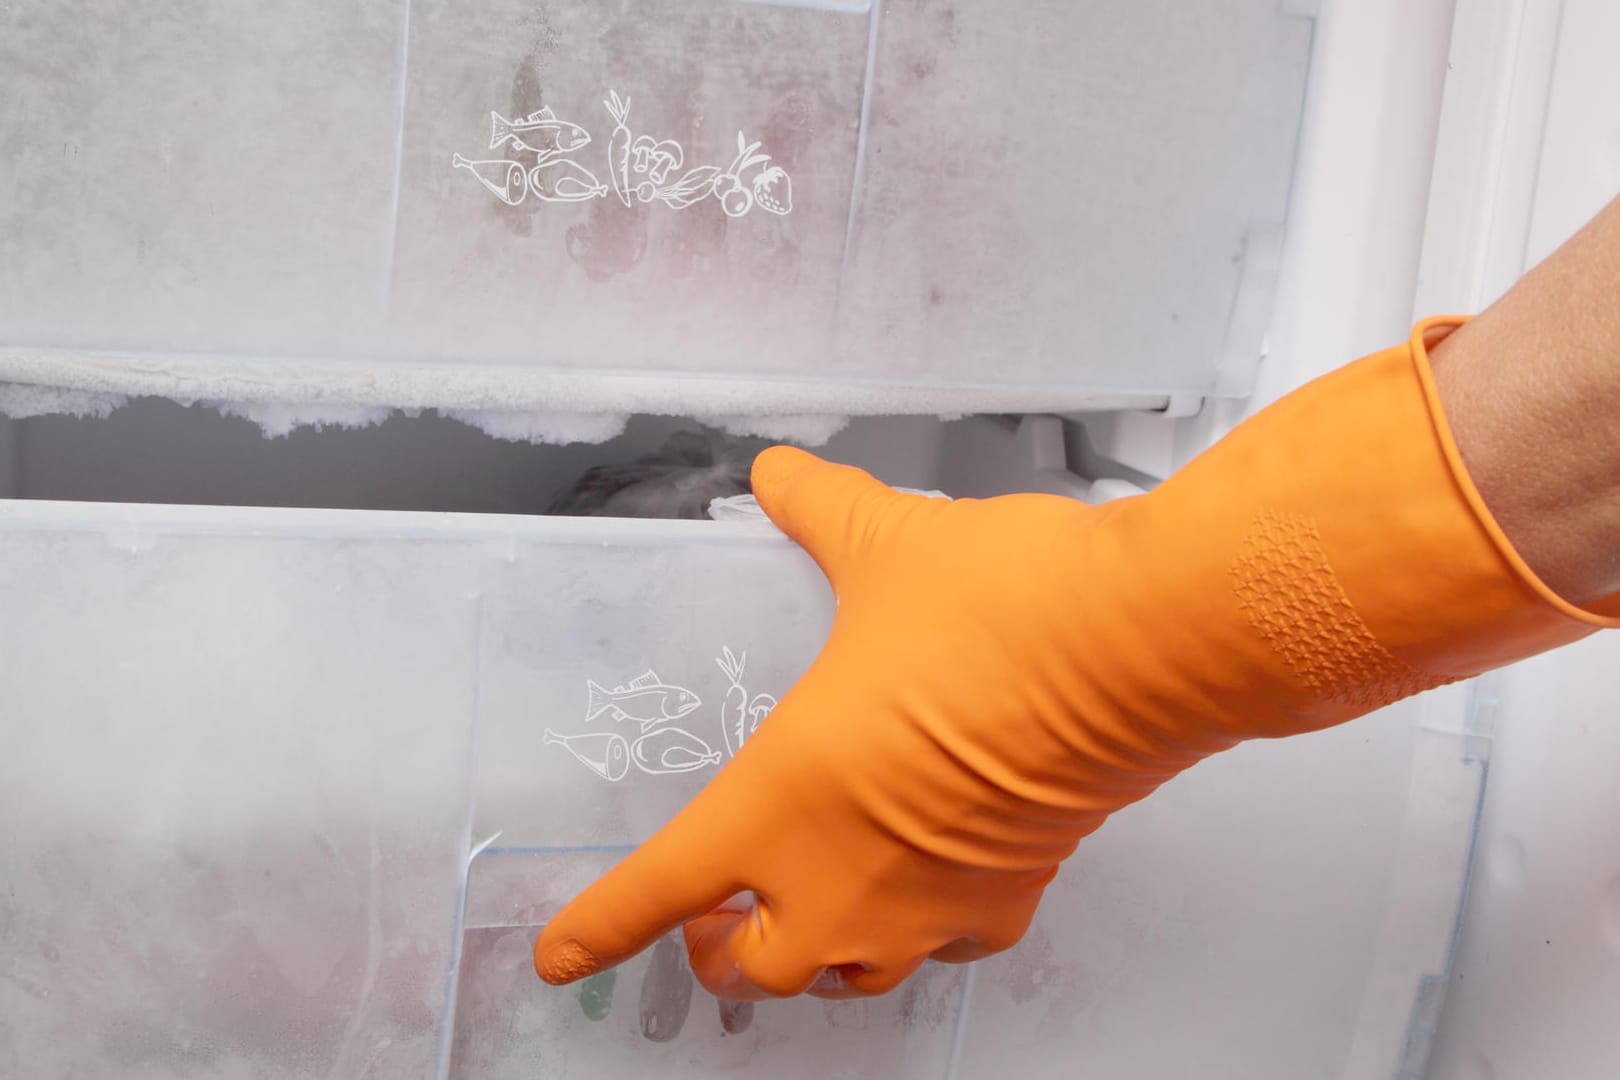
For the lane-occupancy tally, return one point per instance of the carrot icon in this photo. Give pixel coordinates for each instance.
(619, 145)
(739, 716)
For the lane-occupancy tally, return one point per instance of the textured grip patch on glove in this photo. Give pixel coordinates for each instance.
(1291, 596)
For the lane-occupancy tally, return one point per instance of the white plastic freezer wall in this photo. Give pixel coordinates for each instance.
(1531, 152)
(515, 209)
(288, 793)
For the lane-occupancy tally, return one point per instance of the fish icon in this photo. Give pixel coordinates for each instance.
(539, 133)
(646, 699)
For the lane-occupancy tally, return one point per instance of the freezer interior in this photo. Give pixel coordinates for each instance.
(309, 314)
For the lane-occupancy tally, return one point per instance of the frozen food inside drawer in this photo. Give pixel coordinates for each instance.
(649, 1016)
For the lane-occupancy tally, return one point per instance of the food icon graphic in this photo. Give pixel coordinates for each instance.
(672, 750)
(605, 753)
(538, 133)
(770, 187)
(740, 715)
(662, 746)
(646, 699)
(642, 168)
(564, 180)
(773, 191)
(619, 145)
(506, 180)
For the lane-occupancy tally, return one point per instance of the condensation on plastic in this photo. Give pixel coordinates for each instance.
(747, 508)
(989, 211)
(284, 803)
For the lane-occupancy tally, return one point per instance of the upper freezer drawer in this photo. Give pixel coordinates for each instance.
(934, 205)
(289, 794)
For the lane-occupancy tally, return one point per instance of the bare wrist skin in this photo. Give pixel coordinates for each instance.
(1531, 389)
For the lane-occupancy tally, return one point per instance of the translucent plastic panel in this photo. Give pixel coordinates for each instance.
(593, 752)
(676, 652)
(290, 794)
(1281, 910)
(234, 788)
(633, 280)
(928, 205)
(196, 176)
(650, 1017)
(1061, 193)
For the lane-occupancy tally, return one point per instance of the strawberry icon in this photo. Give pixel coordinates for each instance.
(773, 190)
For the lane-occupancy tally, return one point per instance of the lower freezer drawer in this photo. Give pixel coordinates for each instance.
(288, 793)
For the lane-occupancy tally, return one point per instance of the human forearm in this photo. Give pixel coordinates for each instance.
(1531, 389)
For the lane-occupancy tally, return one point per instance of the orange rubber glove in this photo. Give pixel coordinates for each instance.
(1003, 674)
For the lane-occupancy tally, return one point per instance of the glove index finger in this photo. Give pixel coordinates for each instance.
(654, 889)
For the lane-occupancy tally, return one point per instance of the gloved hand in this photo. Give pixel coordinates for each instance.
(1002, 675)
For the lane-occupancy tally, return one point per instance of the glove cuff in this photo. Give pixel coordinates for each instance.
(1331, 556)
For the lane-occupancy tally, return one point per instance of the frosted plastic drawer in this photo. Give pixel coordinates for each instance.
(289, 794)
(828, 207)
